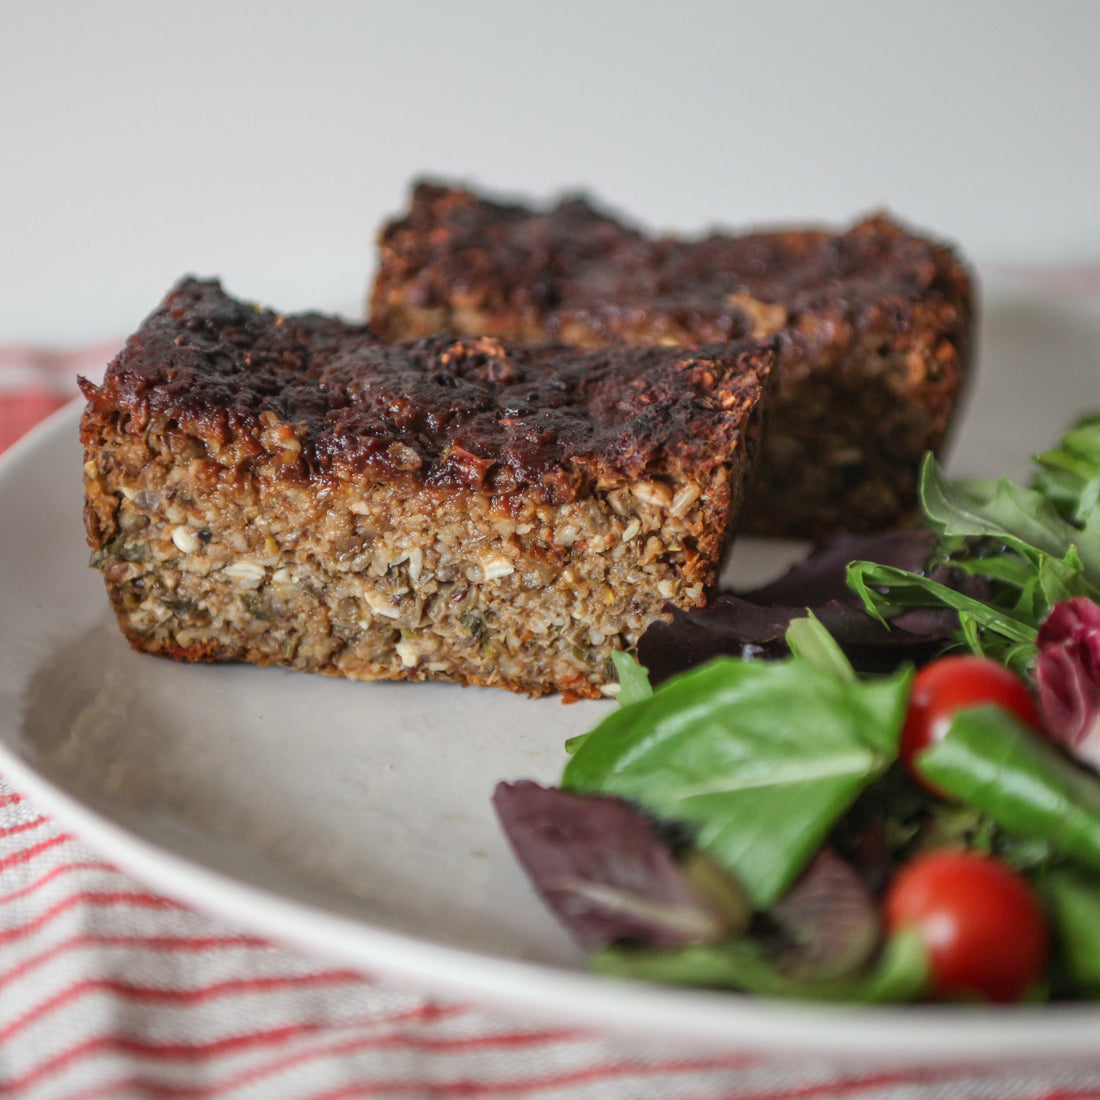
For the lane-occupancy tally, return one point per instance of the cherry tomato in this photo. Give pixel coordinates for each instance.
(944, 687)
(983, 928)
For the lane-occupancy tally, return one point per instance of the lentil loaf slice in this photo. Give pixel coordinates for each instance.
(874, 326)
(291, 490)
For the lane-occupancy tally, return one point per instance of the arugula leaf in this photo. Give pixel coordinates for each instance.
(1005, 633)
(1023, 519)
(907, 590)
(900, 973)
(1061, 579)
(993, 762)
(1069, 475)
(760, 758)
(1032, 548)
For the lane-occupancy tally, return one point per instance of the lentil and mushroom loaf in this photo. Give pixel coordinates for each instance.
(291, 490)
(874, 326)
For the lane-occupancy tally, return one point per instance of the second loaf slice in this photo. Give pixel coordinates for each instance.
(874, 327)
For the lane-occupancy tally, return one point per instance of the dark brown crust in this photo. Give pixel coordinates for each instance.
(449, 412)
(874, 326)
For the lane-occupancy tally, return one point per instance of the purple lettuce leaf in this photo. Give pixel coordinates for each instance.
(821, 575)
(600, 866)
(752, 624)
(1067, 675)
(829, 919)
(733, 626)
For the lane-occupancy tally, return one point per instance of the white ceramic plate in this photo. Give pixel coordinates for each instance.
(354, 821)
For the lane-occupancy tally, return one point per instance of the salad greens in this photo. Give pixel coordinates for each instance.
(1074, 899)
(900, 973)
(739, 823)
(1035, 546)
(759, 758)
(989, 760)
(752, 623)
(603, 868)
(633, 682)
(1069, 475)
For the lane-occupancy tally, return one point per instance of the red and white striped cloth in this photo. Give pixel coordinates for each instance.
(110, 991)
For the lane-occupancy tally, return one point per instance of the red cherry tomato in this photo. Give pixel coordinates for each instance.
(943, 688)
(983, 928)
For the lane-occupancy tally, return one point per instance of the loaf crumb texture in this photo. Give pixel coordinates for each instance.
(291, 490)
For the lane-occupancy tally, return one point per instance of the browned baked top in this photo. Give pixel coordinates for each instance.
(470, 412)
(571, 262)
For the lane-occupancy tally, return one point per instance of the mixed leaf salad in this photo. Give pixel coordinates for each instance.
(873, 780)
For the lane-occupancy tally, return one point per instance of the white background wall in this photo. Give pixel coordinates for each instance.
(264, 142)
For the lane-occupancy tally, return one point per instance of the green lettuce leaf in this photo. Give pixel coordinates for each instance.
(810, 642)
(1073, 900)
(994, 763)
(758, 758)
(633, 679)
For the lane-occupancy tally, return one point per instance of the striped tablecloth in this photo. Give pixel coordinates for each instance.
(108, 990)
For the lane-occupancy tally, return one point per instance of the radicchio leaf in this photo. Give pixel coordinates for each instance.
(599, 864)
(1067, 674)
(752, 624)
